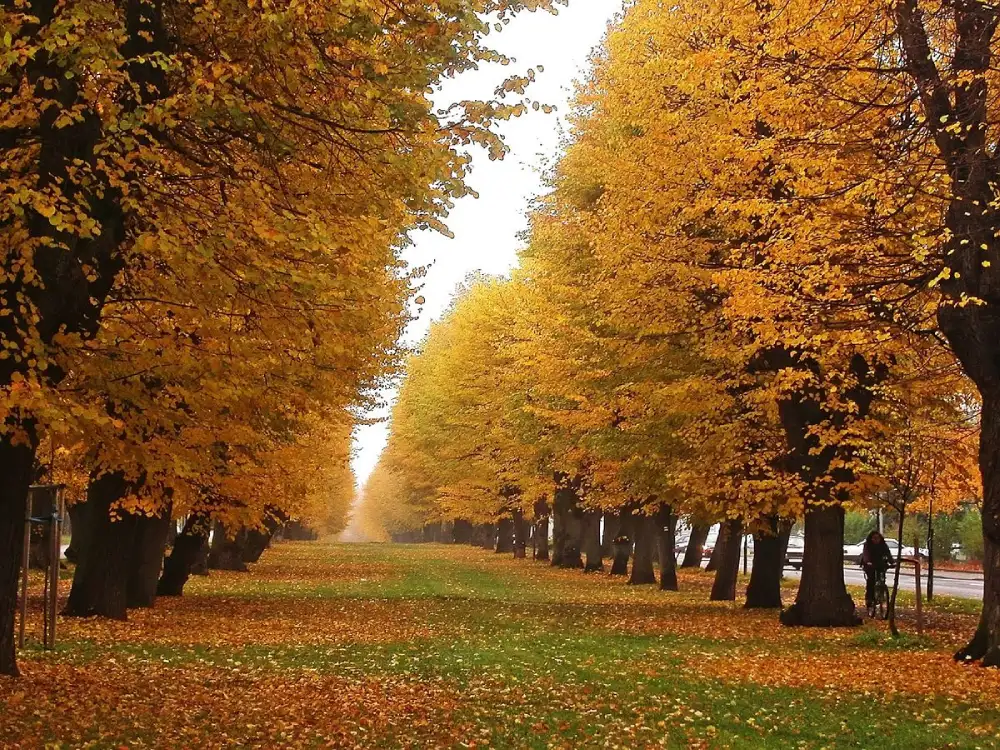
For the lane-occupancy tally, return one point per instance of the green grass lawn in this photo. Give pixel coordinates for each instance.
(438, 646)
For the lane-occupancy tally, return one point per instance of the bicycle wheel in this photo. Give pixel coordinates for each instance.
(882, 595)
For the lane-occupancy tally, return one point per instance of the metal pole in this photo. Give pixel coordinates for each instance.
(26, 551)
(55, 548)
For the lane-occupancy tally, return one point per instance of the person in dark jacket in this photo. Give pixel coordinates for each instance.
(876, 557)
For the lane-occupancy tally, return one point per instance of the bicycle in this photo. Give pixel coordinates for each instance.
(880, 607)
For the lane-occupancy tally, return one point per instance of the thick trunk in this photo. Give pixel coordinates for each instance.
(541, 537)
(520, 535)
(696, 545)
(764, 590)
(666, 527)
(724, 586)
(188, 550)
(227, 550)
(148, 547)
(720, 543)
(985, 644)
(488, 536)
(505, 536)
(79, 518)
(258, 540)
(461, 532)
(559, 514)
(592, 548)
(100, 583)
(622, 549)
(645, 540)
(612, 522)
(16, 462)
(822, 599)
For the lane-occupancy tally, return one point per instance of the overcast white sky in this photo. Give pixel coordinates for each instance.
(486, 228)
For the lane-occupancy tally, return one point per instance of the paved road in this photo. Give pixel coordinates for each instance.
(949, 583)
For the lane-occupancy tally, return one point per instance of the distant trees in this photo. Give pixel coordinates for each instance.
(761, 289)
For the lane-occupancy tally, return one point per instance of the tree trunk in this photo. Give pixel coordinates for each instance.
(227, 552)
(822, 599)
(520, 535)
(612, 522)
(666, 528)
(592, 548)
(488, 538)
(462, 531)
(724, 586)
(696, 545)
(764, 590)
(257, 541)
(572, 556)
(188, 550)
(622, 550)
(559, 514)
(645, 540)
(784, 534)
(505, 536)
(79, 518)
(541, 536)
(149, 544)
(100, 583)
(720, 542)
(985, 643)
(16, 462)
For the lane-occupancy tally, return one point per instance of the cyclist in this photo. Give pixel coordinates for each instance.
(876, 557)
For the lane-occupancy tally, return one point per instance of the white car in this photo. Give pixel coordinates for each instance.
(853, 551)
(907, 551)
(793, 553)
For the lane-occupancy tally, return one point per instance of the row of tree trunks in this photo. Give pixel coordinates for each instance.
(696, 545)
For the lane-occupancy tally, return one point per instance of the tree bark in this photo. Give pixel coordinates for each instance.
(505, 536)
(148, 547)
(79, 518)
(764, 590)
(100, 582)
(462, 531)
(724, 586)
(642, 560)
(227, 551)
(572, 556)
(622, 550)
(822, 599)
(666, 527)
(592, 548)
(541, 537)
(520, 535)
(488, 539)
(188, 549)
(720, 543)
(612, 522)
(16, 462)
(696, 545)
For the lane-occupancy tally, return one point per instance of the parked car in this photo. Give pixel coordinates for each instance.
(793, 553)
(852, 552)
(907, 551)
